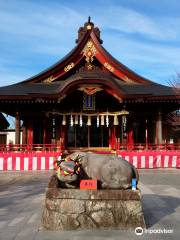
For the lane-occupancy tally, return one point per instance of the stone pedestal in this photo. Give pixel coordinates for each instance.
(75, 209)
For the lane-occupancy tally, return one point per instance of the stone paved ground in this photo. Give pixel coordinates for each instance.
(22, 197)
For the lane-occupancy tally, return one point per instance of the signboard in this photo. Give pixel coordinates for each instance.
(88, 184)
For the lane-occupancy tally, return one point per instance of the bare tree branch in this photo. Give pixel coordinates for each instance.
(173, 118)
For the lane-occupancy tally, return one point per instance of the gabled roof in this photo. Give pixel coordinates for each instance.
(89, 62)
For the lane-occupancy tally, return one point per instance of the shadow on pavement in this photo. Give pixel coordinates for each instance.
(156, 207)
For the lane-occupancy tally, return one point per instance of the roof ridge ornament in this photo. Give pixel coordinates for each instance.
(88, 27)
(89, 51)
(89, 19)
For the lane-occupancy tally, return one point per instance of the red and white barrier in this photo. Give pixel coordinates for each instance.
(21, 161)
(146, 160)
(24, 161)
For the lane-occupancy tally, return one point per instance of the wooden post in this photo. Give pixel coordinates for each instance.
(159, 128)
(112, 142)
(24, 133)
(44, 130)
(63, 136)
(30, 133)
(17, 129)
(130, 139)
(88, 136)
(146, 134)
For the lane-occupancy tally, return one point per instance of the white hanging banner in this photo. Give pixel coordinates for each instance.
(102, 120)
(89, 121)
(80, 121)
(116, 121)
(64, 120)
(71, 121)
(76, 120)
(107, 121)
(97, 120)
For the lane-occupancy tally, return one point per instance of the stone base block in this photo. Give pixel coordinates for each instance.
(74, 209)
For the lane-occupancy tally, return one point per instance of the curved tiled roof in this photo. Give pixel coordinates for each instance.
(25, 89)
(130, 84)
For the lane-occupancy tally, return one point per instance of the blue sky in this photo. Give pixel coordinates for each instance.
(142, 34)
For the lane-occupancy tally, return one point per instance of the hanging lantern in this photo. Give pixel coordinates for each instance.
(64, 120)
(116, 122)
(97, 120)
(102, 120)
(71, 121)
(89, 121)
(76, 120)
(107, 121)
(80, 121)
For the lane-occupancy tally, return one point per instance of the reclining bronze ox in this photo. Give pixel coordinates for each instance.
(111, 171)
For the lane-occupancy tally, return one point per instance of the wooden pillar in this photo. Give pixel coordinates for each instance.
(30, 133)
(146, 134)
(112, 138)
(159, 128)
(63, 136)
(88, 136)
(17, 129)
(130, 139)
(44, 130)
(24, 133)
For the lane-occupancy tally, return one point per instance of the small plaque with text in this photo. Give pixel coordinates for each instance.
(88, 184)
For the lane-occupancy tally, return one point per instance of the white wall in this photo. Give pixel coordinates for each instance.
(11, 137)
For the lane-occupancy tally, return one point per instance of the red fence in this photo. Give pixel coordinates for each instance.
(27, 161)
(152, 159)
(42, 157)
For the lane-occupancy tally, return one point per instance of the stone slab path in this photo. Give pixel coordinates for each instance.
(22, 198)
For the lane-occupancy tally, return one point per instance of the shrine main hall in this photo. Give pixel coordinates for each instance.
(90, 100)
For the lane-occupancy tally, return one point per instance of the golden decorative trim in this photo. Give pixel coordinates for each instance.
(49, 79)
(108, 66)
(89, 66)
(123, 112)
(69, 67)
(89, 51)
(90, 90)
(89, 27)
(128, 80)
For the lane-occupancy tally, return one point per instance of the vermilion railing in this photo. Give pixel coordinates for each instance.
(57, 147)
(149, 147)
(30, 148)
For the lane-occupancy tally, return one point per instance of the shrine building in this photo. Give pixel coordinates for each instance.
(90, 100)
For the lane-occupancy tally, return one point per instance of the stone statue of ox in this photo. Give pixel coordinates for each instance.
(111, 171)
